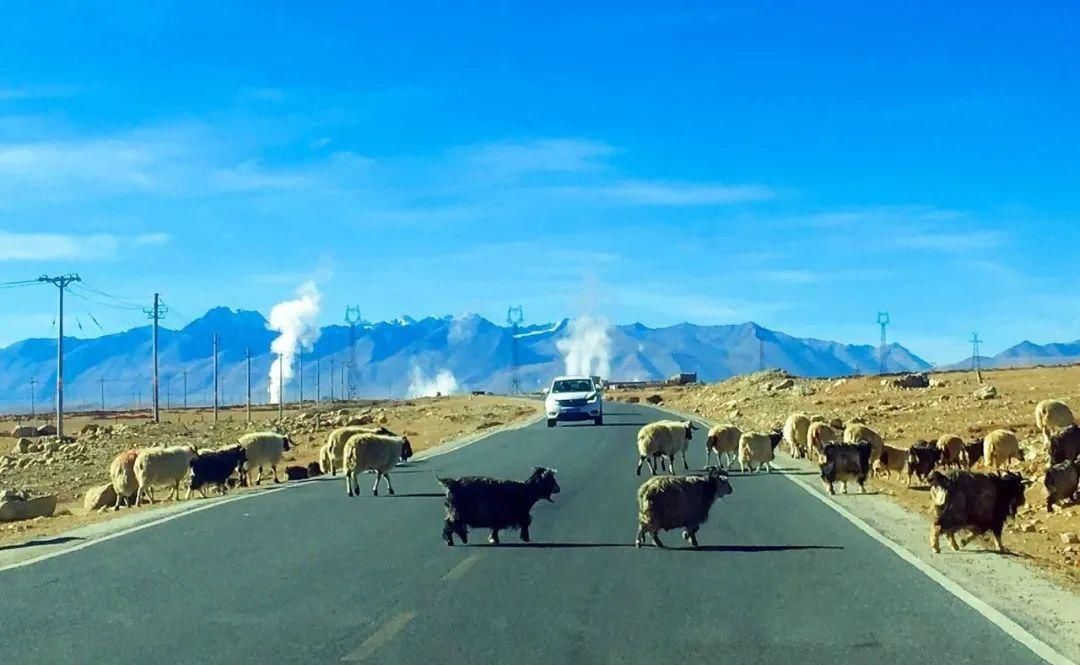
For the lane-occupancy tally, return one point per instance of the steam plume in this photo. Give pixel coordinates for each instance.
(295, 320)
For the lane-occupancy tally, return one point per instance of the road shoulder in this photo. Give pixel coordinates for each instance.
(1008, 584)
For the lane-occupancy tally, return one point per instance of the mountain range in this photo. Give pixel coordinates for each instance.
(412, 356)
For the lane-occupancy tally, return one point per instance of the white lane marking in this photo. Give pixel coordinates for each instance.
(379, 638)
(139, 527)
(463, 566)
(991, 614)
(1011, 628)
(435, 452)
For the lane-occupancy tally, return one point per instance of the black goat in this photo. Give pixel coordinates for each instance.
(494, 503)
(215, 468)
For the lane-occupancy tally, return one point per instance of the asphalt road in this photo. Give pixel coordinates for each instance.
(308, 575)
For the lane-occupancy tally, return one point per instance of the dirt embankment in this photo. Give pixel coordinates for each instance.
(903, 416)
(68, 469)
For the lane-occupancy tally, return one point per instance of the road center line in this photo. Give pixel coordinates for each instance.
(463, 566)
(385, 633)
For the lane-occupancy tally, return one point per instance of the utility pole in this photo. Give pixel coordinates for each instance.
(156, 313)
(300, 405)
(247, 356)
(102, 382)
(168, 393)
(33, 405)
(976, 362)
(344, 373)
(352, 317)
(281, 388)
(185, 387)
(61, 282)
(318, 381)
(514, 317)
(883, 321)
(761, 355)
(333, 362)
(214, 340)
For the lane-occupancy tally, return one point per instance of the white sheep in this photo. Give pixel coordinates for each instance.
(724, 441)
(1052, 415)
(366, 451)
(263, 449)
(335, 445)
(663, 438)
(155, 467)
(857, 432)
(795, 428)
(999, 447)
(757, 450)
(819, 434)
(122, 476)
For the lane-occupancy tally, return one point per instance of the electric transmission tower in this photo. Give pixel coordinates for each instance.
(976, 362)
(883, 321)
(352, 317)
(514, 317)
(156, 313)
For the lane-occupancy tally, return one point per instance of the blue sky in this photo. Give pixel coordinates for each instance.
(801, 167)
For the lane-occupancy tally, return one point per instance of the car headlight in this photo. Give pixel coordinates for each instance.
(593, 399)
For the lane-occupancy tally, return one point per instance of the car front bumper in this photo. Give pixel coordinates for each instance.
(572, 413)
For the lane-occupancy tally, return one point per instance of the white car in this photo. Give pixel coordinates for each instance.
(574, 398)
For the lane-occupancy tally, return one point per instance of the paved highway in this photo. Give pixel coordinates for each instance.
(308, 575)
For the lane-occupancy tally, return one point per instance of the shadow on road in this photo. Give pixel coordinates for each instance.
(35, 543)
(421, 495)
(752, 549)
(557, 546)
(624, 424)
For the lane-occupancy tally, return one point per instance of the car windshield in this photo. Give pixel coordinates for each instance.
(572, 386)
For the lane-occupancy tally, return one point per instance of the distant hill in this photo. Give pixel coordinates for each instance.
(1026, 354)
(390, 355)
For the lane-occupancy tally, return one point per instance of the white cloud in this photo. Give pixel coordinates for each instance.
(509, 160)
(63, 246)
(150, 239)
(656, 193)
(55, 246)
(945, 241)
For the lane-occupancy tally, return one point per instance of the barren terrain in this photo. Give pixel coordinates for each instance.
(69, 470)
(903, 416)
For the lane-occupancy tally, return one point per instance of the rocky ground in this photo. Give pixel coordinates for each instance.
(954, 403)
(36, 466)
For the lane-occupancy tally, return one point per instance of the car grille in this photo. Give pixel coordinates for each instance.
(572, 402)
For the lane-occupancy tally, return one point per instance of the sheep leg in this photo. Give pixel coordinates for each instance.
(935, 539)
(685, 464)
(448, 533)
(997, 541)
(639, 540)
(640, 461)
(348, 484)
(375, 489)
(693, 536)
(525, 528)
(952, 542)
(187, 497)
(273, 467)
(671, 459)
(656, 539)
(494, 537)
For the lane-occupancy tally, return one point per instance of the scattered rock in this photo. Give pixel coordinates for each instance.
(1027, 528)
(907, 381)
(363, 419)
(22, 446)
(985, 392)
(50, 446)
(654, 399)
(24, 430)
(836, 424)
(784, 385)
(15, 509)
(46, 430)
(633, 399)
(101, 496)
(1070, 538)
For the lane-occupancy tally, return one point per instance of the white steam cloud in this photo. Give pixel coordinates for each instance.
(295, 320)
(586, 349)
(421, 385)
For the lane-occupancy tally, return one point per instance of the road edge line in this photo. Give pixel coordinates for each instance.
(986, 610)
(442, 449)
